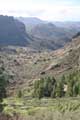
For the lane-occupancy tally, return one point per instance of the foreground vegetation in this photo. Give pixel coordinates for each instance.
(48, 101)
(66, 86)
(3, 86)
(44, 109)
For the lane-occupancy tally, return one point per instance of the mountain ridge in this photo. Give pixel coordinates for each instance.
(42, 36)
(12, 32)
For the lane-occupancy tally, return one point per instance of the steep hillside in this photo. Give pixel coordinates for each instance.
(12, 32)
(74, 52)
(25, 65)
(30, 22)
(49, 36)
(70, 58)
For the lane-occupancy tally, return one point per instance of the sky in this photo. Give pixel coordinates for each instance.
(51, 10)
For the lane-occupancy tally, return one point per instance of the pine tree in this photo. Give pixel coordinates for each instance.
(3, 85)
(60, 89)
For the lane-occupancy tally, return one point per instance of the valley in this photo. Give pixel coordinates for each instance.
(24, 67)
(42, 70)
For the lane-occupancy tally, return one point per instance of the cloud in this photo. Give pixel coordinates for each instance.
(45, 9)
(62, 13)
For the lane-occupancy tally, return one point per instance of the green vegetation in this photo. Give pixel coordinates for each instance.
(44, 87)
(73, 83)
(57, 103)
(50, 87)
(20, 94)
(3, 85)
(44, 109)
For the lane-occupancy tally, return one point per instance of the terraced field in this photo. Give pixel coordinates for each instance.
(44, 109)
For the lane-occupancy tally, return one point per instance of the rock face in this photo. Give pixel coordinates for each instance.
(12, 32)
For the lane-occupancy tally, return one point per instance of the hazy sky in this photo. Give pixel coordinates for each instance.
(57, 10)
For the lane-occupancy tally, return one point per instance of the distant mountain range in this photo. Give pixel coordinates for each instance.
(30, 20)
(49, 35)
(68, 24)
(35, 33)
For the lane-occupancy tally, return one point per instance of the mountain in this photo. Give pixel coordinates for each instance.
(49, 36)
(68, 24)
(73, 49)
(34, 33)
(25, 66)
(46, 35)
(12, 32)
(30, 22)
(67, 58)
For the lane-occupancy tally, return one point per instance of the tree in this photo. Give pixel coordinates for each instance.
(3, 85)
(38, 88)
(76, 89)
(59, 89)
(78, 86)
(44, 87)
(72, 84)
(63, 79)
(70, 87)
(19, 94)
(49, 84)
